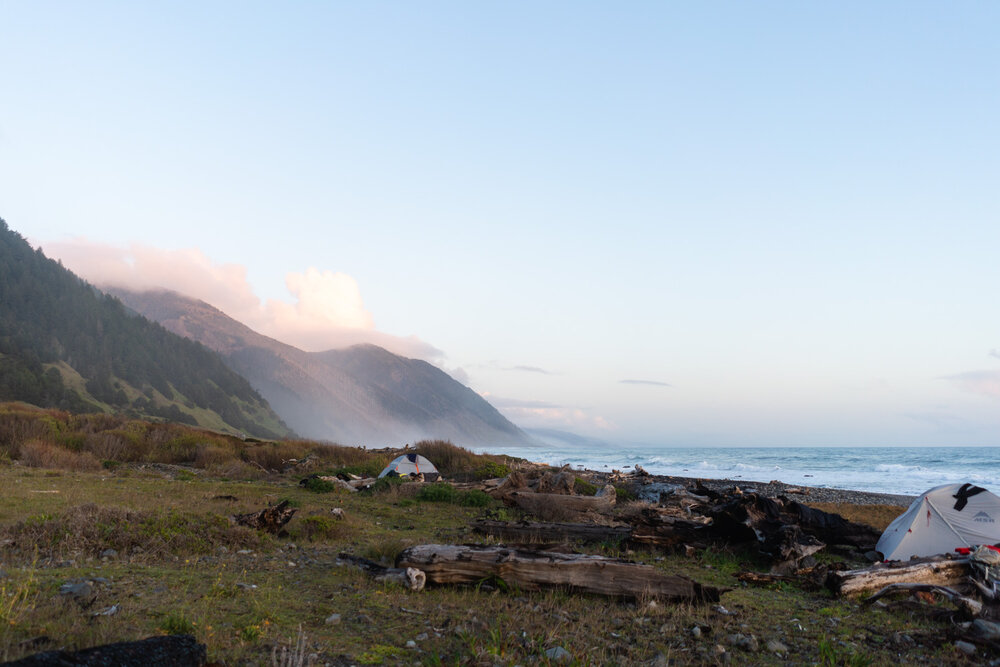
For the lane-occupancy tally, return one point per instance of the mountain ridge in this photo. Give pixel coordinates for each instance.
(65, 344)
(362, 394)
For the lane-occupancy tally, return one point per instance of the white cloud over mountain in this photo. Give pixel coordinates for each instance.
(326, 310)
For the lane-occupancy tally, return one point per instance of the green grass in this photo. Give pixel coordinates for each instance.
(183, 567)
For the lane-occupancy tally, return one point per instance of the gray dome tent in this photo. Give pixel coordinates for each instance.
(942, 519)
(409, 465)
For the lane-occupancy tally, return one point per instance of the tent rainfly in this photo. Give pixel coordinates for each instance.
(411, 465)
(941, 520)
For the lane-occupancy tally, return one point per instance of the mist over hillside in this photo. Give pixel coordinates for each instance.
(65, 344)
(362, 394)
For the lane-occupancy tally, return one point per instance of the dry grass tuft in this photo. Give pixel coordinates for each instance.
(90, 529)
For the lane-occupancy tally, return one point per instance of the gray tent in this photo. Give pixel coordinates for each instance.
(411, 465)
(941, 520)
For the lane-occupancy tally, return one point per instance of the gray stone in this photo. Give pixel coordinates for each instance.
(744, 642)
(411, 644)
(333, 619)
(774, 646)
(109, 553)
(660, 660)
(696, 632)
(966, 647)
(421, 637)
(77, 589)
(558, 654)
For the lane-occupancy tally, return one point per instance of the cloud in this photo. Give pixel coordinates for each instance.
(542, 414)
(529, 369)
(995, 353)
(326, 310)
(652, 383)
(985, 383)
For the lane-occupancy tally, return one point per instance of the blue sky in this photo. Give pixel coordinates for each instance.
(778, 221)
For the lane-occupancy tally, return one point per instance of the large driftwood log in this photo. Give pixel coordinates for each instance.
(270, 519)
(524, 531)
(938, 572)
(970, 607)
(531, 570)
(168, 651)
(408, 577)
(549, 503)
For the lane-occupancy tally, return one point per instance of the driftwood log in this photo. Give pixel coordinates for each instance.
(936, 571)
(786, 531)
(971, 608)
(532, 570)
(270, 519)
(525, 531)
(167, 651)
(652, 527)
(408, 577)
(548, 503)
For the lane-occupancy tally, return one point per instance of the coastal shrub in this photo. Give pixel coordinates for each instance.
(175, 623)
(439, 492)
(317, 485)
(623, 494)
(492, 470)
(38, 454)
(386, 484)
(442, 492)
(585, 488)
(474, 498)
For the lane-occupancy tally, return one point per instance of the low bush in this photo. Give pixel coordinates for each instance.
(492, 470)
(439, 492)
(475, 498)
(317, 485)
(386, 484)
(38, 454)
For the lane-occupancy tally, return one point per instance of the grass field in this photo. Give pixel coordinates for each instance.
(155, 543)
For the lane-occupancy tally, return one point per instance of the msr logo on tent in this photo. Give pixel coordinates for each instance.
(983, 517)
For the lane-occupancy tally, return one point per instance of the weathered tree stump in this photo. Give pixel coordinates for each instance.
(270, 519)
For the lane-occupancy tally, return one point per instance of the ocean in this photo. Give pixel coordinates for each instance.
(899, 470)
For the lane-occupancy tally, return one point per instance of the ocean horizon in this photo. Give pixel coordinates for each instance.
(905, 470)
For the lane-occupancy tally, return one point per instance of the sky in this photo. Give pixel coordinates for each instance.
(701, 224)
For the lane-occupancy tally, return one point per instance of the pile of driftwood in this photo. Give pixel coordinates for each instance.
(785, 532)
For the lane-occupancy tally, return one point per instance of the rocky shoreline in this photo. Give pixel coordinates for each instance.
(650, 486)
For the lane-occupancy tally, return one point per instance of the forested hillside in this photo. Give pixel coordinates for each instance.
(65, 344)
